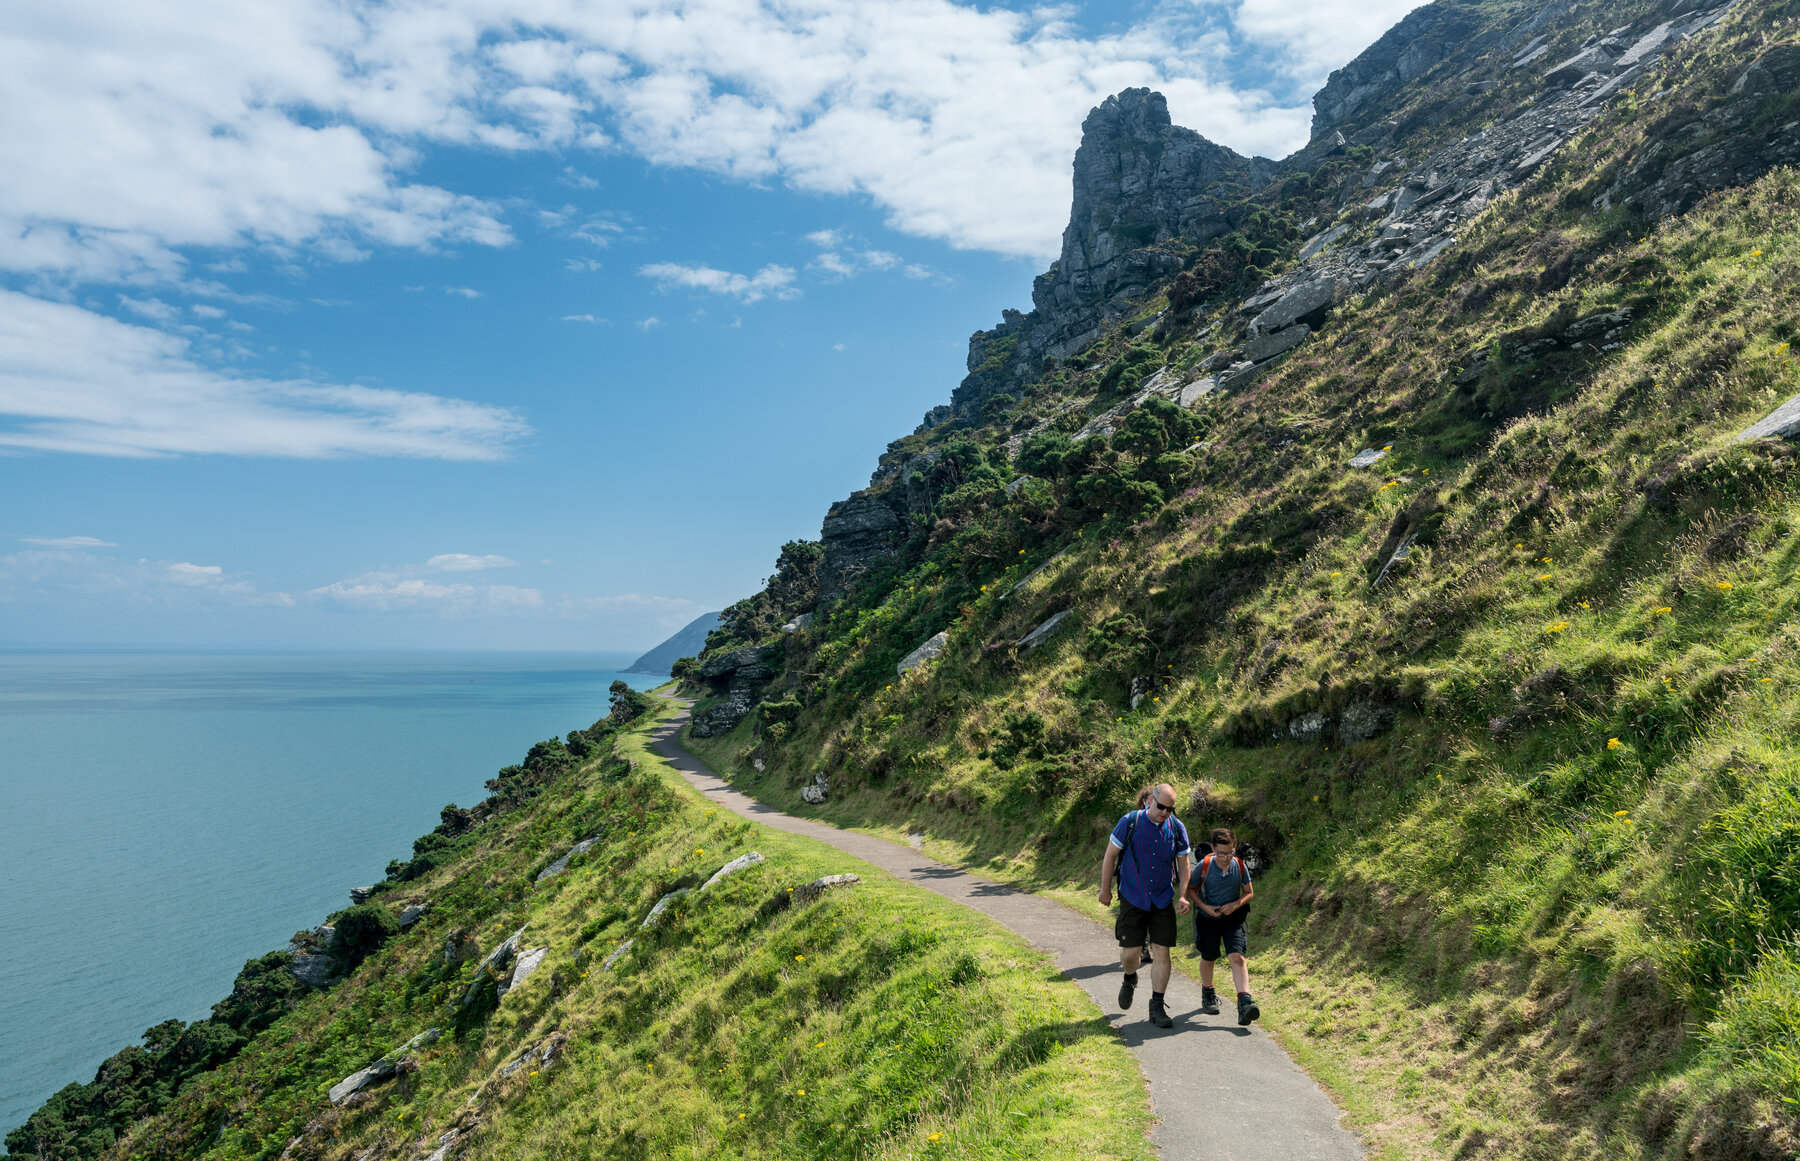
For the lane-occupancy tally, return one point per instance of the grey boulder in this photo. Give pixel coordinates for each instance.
(1781, 423)
(562, 864)
(925, 652)
(1044, 631)
(733, 867)
(529, 962)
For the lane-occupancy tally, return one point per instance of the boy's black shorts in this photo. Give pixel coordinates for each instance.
(1134, 923)
(1210, 933)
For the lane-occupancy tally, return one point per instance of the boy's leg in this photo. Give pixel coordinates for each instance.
(1239, 948)
(1206, 940)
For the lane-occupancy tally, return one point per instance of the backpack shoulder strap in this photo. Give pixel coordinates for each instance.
(1206, 864)
(1243, 871)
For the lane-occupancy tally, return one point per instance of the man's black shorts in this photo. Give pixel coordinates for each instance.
(1134, 923)
(1209, 933)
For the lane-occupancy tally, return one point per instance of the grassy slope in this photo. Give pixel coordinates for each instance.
(1499, 931)
(879, 1022)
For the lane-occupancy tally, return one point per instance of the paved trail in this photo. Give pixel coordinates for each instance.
(1220, 1090)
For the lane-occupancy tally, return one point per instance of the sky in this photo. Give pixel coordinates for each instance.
(524, 324)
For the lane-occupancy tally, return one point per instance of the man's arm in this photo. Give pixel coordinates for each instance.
(1181, 870)
(1107, 866)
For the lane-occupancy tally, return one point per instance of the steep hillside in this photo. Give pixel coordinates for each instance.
(1411, 505)
(595, 963)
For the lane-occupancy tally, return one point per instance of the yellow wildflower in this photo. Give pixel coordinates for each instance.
(802, 1092)
(1337, 574)
(1663, 609)
(1546, 576)
(935, 1137)
(799, 957)
(1613, 743)
(1620, 813)
(1724, 586)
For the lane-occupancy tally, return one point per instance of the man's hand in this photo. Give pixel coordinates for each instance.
(1106, 896)
(1181, 906)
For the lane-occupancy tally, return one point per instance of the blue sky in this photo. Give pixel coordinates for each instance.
(522, 323)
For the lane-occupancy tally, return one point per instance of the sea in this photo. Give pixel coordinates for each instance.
(165, 817)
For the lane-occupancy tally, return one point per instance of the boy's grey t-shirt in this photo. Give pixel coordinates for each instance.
(1222, 882)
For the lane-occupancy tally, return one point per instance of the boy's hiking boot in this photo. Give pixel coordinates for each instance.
(1159, 1013)
(1209, 1001)
(1127, 989)
(1247, 1009)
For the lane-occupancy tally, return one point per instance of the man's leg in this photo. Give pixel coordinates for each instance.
(1131, 950)
(1160, 966)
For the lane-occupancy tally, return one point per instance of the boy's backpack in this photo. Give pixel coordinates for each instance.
(1243, 873)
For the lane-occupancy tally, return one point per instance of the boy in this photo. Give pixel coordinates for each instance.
(1221, 892)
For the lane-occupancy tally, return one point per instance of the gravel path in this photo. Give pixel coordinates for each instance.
(1219, 1090)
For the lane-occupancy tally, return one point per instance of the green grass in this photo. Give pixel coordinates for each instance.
(1573, 861)
(877, 1022)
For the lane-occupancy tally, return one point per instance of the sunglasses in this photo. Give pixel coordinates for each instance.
(1168, 807)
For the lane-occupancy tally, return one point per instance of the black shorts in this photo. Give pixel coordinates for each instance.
(1209, 933)
(1134, 924)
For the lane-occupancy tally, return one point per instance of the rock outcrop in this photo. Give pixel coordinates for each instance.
(740, 675)
(858, 534)
(1145, 189)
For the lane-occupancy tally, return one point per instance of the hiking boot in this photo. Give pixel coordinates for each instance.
(1127, 989)
(1247, 1009)
(1209, 1001)
(1159, 1013)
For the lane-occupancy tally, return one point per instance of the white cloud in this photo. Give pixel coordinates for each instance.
(843, 256)
(592, 319)
(646, 324)
(463, 562)
(209, 312)
(771, 279)
(386, 593)
(75, 381)
(68, 541)
(462, 291)
(131, 132)
(59, 574)
(155, 309)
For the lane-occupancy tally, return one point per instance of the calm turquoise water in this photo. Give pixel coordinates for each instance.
(163, 818)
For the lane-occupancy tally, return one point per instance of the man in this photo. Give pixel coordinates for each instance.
(1222, 892)
(1149, 851)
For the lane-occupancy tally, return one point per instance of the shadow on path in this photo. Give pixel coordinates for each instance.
(1236, 1092)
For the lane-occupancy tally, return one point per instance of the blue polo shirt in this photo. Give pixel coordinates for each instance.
(1147, 869)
